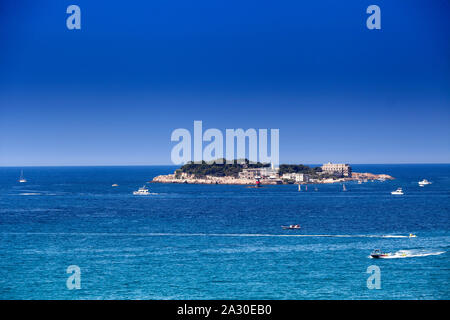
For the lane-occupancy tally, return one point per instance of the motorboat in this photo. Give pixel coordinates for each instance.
(378, 254)
(22, 178)
(291, 227)
(141, 192)
(344, 188)
(399, 191)
(412, 235)
(115, 185)
(424, 182)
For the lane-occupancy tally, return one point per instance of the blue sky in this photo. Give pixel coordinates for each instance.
(112, 92)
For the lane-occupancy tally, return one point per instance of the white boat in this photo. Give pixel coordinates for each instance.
(115, 185)
(291, 227)
(424, 182)
(141, 192)
(299, 187)
(378, 254)
(22, 179)
(359, 182)
(344, 188)
(399, 191)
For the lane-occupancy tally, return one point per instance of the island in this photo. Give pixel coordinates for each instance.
(245, 172)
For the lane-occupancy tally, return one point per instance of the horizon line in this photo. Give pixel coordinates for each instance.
(174, 165)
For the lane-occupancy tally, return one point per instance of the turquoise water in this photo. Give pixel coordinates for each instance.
(220, 242)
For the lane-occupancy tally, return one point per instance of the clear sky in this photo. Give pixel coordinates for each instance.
(112, 92)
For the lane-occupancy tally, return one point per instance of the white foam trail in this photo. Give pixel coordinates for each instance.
(388, 236)
(206, 234)
(412, 254)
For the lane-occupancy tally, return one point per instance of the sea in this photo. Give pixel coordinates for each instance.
(186, 241)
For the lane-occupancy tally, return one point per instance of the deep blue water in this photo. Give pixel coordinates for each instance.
(217, 241)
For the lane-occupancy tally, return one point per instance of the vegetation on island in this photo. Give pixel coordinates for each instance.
(222, 168)
(218, 168)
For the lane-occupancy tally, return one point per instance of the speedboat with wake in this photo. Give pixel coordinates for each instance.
(141, 192)
(378, 254)
(291, 227)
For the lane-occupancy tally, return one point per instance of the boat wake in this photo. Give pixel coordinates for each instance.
(412, 254)
(158, 234)
(43, 193)
(389, 236)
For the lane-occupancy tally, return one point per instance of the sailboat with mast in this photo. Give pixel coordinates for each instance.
(22, 178)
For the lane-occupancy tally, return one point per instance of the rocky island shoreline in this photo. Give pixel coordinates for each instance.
(247, 174)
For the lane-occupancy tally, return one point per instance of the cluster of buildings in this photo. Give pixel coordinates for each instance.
(259, 173)
(338, 169)
(271, 173)
(296, 177)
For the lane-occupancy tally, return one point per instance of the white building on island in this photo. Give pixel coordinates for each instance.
(341, 169)
(263, 173)
(297, 177)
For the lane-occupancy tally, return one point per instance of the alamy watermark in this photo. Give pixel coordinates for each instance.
(374, 20)
(74, 280)
(374, 280)
(74, 20)
(239, 144)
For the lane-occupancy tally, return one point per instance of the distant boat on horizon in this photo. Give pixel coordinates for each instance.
(399, 191)
(291, 227)
(141, 192)
(22, 178)
(424, 182)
